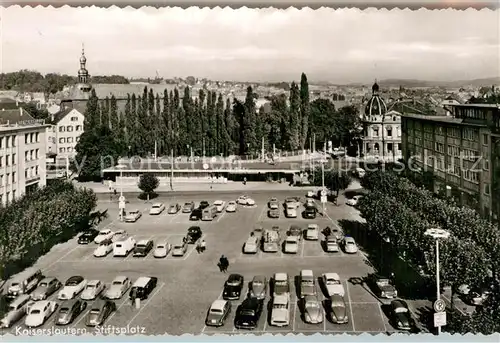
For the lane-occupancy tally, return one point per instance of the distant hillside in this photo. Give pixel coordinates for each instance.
(409, 83)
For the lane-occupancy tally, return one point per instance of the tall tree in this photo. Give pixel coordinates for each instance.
(220, 128)
(239, 114)
(304, 109)
(92, 119)
(230, 125)
(113, 115)
(294, 117)
(249, 121)
(166, 127)
(105, 115)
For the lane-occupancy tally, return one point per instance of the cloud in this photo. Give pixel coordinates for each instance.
(254, 44)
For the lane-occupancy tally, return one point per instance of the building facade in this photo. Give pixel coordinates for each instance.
(381, 130)
(22, 154)
(63, 136)
(460, 151)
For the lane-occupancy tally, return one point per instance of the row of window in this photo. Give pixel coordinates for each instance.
(68, 140)
(8, 160)
(9, 197)
(31, 172)
(8, 178)
(473, 113)
(388, 131)
(9, 141)
(31, 155)
(30, 138)
(63, 150)
(471, 134)
(69, 128)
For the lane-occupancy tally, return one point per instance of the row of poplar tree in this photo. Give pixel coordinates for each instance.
(207, 124)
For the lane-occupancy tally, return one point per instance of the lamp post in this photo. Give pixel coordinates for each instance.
(121, 203)
(437, 233)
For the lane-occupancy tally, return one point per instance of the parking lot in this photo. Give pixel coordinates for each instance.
(188, 285)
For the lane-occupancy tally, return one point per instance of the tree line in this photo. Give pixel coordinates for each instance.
(210, 124)
(33, 81)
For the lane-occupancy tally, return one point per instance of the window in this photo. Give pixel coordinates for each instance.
(389, 147)
(78, 128)
(32, 138)
(486, 165)
(399, 146)
(37, 151)
(62, 140)
(36, 170)
(69, 128)
(487, 189)
(31, 155)
(27, 173)
(14, 177)
(1, 161)
(26, 156)
(1, 180)
(14, 141)
(7, 197)
(485, 139)
(1, 142)
(62, 150)
(70, 149)
(375, 132)
(389, 132)
(13, 159)
(69, 140)
(74, 118)
(37, 137)
(7, 142)
(7, 160)
(7, 179)
(14, 194)
(61, 128)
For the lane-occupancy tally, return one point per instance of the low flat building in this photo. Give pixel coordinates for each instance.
(22, 154)
(461, 151)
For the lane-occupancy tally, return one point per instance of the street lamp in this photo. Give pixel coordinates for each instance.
(122, 209)
(437, 233)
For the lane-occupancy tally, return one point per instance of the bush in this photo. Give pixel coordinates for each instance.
(147, 184)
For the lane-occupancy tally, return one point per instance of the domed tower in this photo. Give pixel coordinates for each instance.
(375, 107)
(83, 74)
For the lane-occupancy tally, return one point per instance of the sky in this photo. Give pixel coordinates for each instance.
(339, 46)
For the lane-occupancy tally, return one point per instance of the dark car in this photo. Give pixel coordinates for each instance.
(143, 287)
(69, 310)
(295, 230)
(203, 204)
(273, 213)
(400, 315)
(383, 287)
(310, 212)
(142, 248)
(99, 312)
(233, 287)
(194, 233)
(478, 295)
(87, 236)
(248, 313)
(196, 214)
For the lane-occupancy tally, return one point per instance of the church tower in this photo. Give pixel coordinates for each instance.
(83, 75)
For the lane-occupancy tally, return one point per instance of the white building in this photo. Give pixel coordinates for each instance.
(22, 154)
(65, 133)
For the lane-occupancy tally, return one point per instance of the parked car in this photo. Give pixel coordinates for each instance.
(231, 206)
(280, 311)
(218, 313)
(258, 287)
(87, 236)
(39, 312)
(331, 244)
(248, 313)
(174, 208)
(179, 248)
(251, 245)
(46, 288)
(307, 283)
(220, 205)
(157, 208)
(310, 194)
(383, 287)
(338, 309)
(194, 234)
(293, 201)
(477, 295)
(103, 235)
(291, 210)
(332, 284)
(16, 310)
(312, 232)
(250, 202)
(336, 233)
(232, 287)
(143, 287)
(92, 290)
(295, 230)
(203, 204)
(273, 213)
(281, 285)
(23, 283)
(104, 248)
(188, 207)
(312, 309)
(143, 247)
(400, 315)
(310, 212)
(242, 200)
(291, 245)
(133, 216)
(124, 247)
(99, 312)
(162, 249)
(119, 286)
(273, 204)
(69, 310)
(196, 214)
(350, 246)
(354, 200)
(73, 286)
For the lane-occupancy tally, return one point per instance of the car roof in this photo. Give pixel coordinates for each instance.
(234, 277)
(259, 278)
(398, 303)
(134, 210)
(143, 242)
(69, 303)
(332, 276)
(47, 279)
(306, 272)
(105, 230)
(349, 239)
(280, 276)
(93, 282)
(120, 278)
(158, 204)
(218, 202)
(292, 238)
(232, 202)
(309, 298)
(98, 304)
(312, 226)
(19, 299)
(218, 304)
(337, 298)
(75, 278)
(280, 299)
(164, 242)
(141, 281)
(39, 305)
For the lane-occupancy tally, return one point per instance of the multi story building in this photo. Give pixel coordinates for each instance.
(461, 150)
(65, 133)
(22, 154)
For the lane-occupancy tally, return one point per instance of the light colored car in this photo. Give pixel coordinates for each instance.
(124, 247)
(281, 285)
(331, 244)
(92, 290)
(360, 172)
(133, 216)
(39, 313)
(354, 200)
(250, 202)
(162, 249)
(103, 235)
(280, 312)
(307, 283)
(350, 246)
(231, 206)
(291, 245)
(179, 248)
(218, 313)
(242, 200)
(45, 288)
(273, 204)
(312, 232)
(291, 210)
(251, 245)
(332, 284)
(310, 194)
(104, 248)
(157, 208)
(174, 208)
(17, 309)
(73, 286)
(295, 201)
(313, 311)
(219, 205)
(118, 288)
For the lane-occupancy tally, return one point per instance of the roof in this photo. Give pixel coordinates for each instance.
(332, 276)
(14, 116)
(61, 114)
(93, 282)
(141, 281)
(442, 119)
(218, 304)
(306, 272)
(280, 299)
(476, 105)
(25, 273)
(39, 305)
(157, 204)
(259, 278)
(280, 276)
(143, 242)
(120, 278)
(8, 103)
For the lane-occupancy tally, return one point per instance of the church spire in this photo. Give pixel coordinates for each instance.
(83, 74)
